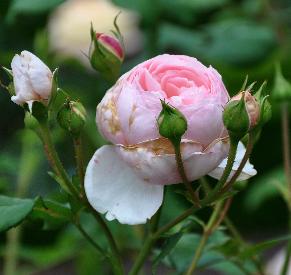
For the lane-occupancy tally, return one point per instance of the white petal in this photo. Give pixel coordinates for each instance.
(39, 74)
(22, 86)
(114, 188)
(247, 172)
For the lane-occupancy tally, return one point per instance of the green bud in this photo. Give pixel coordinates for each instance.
(282, 88)
(265, 106)
(241, 114)
(72, 117)
(172, 123)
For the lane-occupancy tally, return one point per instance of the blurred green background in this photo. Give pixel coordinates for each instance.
(236, 37)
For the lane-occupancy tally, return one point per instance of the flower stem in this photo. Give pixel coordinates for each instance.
(89, 239)
(181, 169)
(245, 158)
(58, 168)
(216, 218)
(226, 172)
(54, 159)
(286, 142)
(287, 169)
(152, 238)
(79, 161)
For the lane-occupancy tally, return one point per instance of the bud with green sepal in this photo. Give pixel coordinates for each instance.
(282, 87)
(72, 117)
(107, 53)
(241, 114)
(172, 123)
(265, 106)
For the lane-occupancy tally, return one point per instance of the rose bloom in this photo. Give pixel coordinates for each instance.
(32, 79)
(126, 180)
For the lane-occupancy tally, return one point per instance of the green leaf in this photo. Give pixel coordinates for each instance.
(260, 247)
(264, 188)
(13, 211)
(52, 213)
(167, 247)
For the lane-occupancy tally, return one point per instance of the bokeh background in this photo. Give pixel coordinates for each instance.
(236, 37)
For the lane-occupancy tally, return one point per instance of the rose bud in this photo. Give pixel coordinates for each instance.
(241, 114)
(32, 79)
(106, 54)
(282, 87)
(265, 106)
(172, 123)
(125, 180)
(72, 117)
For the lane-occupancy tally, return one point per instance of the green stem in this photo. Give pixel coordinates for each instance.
(152, 238)
(226, 172)
(214, 221)
(181, 169)
(54, 160)
(114, 249)
(287, 169)
(79, 161)
(58, 168)
(286, 144)
(245, 158)
(10, 263)
(89, 239)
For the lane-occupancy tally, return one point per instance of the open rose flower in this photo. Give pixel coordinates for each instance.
(32, 79)
(126, 180)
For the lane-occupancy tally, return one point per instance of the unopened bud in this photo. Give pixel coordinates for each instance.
(241, 114)
(72, 117)
(106, 54)
(265, 106)
(282, 88)
(172, 123)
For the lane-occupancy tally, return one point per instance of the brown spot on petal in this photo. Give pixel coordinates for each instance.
(131, 117)
(159, 146)
(113, 120)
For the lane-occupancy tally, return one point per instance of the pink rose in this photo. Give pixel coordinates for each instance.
(126, 180)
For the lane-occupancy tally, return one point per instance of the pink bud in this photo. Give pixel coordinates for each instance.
(252, 106)
(111, 44)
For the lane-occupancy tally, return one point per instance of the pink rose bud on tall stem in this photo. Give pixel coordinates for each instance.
(32, 79)
(107, 54)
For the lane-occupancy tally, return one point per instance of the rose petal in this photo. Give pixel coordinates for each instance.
(247, 172)
(155, 162)
(39, 74)
(113, 187)
(23, 88)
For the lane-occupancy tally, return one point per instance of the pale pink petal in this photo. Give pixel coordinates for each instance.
(204, 122)
(22, 85)
(138, 122)
(155, 162)
(107, 118)
(112, 187)
(247, 172)
(39, 74)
